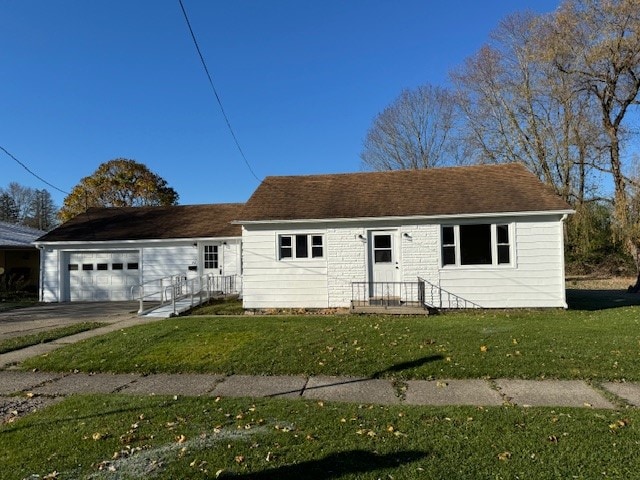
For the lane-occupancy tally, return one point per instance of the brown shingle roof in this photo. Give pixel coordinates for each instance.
(150, 223)
(442, 191)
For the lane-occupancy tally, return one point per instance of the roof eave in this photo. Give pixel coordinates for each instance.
(138, 241)
(409, 217)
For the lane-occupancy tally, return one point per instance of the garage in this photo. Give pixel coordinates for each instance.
(102, 276)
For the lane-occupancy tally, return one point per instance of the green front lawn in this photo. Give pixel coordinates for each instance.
(109, 437)
(533, 344)
(16, 343)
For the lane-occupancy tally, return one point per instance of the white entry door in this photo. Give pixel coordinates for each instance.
(383, 256)
(211, 259)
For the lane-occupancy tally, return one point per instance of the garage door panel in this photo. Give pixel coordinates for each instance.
(91, 276)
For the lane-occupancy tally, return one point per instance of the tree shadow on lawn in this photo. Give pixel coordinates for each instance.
(335, 465)
(399, 367)
(592, 300)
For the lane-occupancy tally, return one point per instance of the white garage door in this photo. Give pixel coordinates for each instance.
(100, 276)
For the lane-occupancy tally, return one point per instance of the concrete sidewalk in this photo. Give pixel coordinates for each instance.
(553, 393)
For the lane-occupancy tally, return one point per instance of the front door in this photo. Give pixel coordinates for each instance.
(384, 267)
(211, 261)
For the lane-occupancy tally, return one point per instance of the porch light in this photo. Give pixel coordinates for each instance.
(406, 235)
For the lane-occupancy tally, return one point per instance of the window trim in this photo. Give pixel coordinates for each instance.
(494, 246)
(313, 250)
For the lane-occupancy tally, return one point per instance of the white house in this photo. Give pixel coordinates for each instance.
(488, 236)
(105, 252)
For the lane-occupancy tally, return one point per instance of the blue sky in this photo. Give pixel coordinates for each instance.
(84, 82)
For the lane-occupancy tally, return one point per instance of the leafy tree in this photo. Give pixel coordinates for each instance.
(118, 183)
(414, 132)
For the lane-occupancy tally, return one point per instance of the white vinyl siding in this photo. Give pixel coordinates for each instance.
(269, 282)
(166, 260)
(537, 279)
(50, 275)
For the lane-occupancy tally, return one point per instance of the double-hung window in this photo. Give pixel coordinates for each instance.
(476, 244)
(300, 246)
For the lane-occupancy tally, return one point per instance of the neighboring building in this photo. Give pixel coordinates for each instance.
(104, 252)
(491, 235)
(19, 258)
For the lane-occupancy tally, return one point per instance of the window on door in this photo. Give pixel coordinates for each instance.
(210, 256)
(382, 252)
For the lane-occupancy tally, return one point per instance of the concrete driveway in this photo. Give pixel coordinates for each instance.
(25, 321)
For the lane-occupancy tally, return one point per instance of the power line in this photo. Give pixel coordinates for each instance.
(31, 172)
(215, 92)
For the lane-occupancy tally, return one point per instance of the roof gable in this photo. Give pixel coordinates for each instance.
(150, 223)
(479, 189)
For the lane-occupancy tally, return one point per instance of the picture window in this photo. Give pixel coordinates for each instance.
(476, 244)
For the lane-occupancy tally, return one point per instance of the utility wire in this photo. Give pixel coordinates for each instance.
(31, 172)
(215, 92)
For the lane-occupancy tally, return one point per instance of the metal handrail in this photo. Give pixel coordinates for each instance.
(385, 294)
(181, 286)
(452, 300)
(395, 294)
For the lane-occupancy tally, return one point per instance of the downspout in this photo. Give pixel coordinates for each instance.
(41, 266)
(563, 280)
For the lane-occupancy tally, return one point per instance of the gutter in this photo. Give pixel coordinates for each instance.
(405, 218)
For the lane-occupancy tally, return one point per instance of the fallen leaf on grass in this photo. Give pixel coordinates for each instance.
(504, 456)
(483, 348)
(618, 424)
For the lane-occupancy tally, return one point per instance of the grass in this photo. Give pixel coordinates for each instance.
(220, 306)
(105, 437)
(599, 345)
(16, 343)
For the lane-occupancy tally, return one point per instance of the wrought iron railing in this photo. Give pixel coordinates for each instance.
(386, 294)
(437, 297)
(420, 293)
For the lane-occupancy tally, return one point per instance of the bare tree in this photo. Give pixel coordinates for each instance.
(414, 132)
(8, 208)
(27, 206)
(518, 108)
(597, 43)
